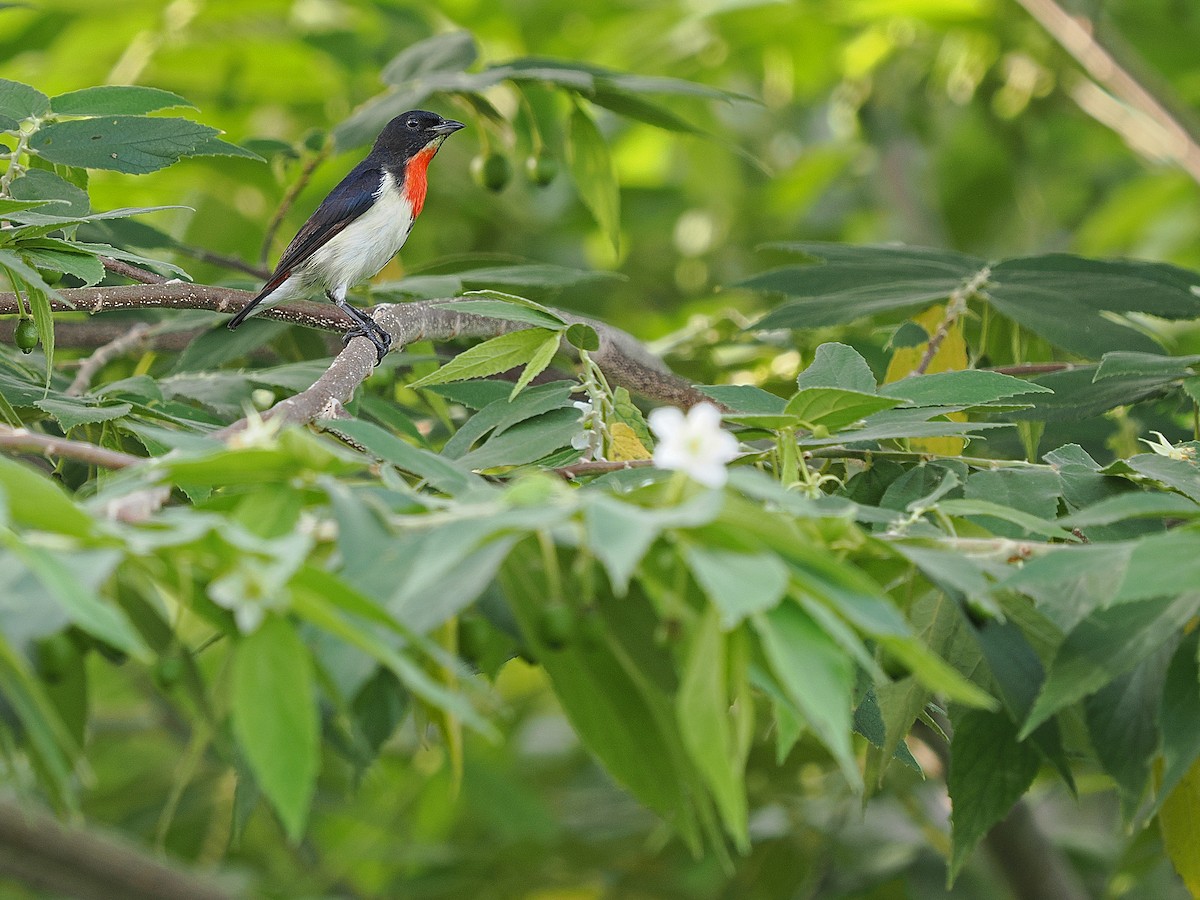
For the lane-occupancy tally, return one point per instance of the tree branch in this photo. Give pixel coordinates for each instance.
(74, 862)
(130, 271)
(135, 337)
(587, 467)
(624, 360)
(23, 441)
(1155, 130)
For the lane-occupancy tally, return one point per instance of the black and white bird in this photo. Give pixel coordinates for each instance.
(361, 224)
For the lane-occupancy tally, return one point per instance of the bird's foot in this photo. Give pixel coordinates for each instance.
(376, 335)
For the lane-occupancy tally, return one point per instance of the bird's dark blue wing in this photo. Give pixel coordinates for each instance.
(350, 199)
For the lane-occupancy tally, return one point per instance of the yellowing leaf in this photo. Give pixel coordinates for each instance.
(625, 444)
(951, 356)
(1180, 824)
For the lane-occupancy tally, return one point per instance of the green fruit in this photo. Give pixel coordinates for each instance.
(168, 671)
(25, 335)
(555, 625)
(492, 171)
(50, 276)
(541, 169)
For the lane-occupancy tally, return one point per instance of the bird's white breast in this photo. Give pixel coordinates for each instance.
(366, 244)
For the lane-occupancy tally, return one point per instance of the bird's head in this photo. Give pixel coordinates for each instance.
(411, 132)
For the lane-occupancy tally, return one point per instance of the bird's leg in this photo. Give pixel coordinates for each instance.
(367, 327)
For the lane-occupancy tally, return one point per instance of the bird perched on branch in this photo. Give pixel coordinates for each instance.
(361, 224)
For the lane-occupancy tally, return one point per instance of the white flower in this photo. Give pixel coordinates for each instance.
(1163, 447)
(589, 440)
(694, 444)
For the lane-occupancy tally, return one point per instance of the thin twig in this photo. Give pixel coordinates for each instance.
(130, 271)
(955, 307)
(1075, 34)
(1045, 368)
(587, 467)
(225, 261)
(21, 440)
(135, 337)
(289, 200)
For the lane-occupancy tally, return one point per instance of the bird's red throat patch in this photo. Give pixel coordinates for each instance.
(415, 182)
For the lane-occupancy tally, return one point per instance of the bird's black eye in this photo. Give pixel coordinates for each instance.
(412, 123)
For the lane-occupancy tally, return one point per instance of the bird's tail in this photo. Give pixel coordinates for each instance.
(248, 310)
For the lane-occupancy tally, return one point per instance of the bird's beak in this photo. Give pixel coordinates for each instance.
(448, 126)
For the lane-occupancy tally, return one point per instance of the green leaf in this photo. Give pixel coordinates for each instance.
(526, 442)
(1182, 475)
(989, 772)
(1019, 674)
(115, 99)
(39, 503)
(452, 52)
(20, 101)
(502, 309)
(1122, 364)
(539, 361)
(745, 398)
(856, 282)
(1132, 505)
(1123, 723)
(816, 675)
(738, 584)
(131, 144)
(439, 472)
(584, 337)
(1162, 564)
(274, 716)
(594, 174)
(40, 184)
(835, 407)
(619, 534)
(1105, 645)
(82, 604)
(1072, 582)
(702, 713)
(47, 738)
(969, 387)
(1033, 524)
(492, 356)
(838, 366)
(1180, 722)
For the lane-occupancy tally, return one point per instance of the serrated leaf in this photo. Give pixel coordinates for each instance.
(851, 283)
(594, 174)
(816, 675)
(745, 398)
(498, 354)
(989, 772)
(115, 99)
(1106, 644)
(837, 365)
(131, 144)
(538, 362)
(20, 101)
(71, 413)
(969, 387)
(835, 407)
(502, 309)
(275, 718)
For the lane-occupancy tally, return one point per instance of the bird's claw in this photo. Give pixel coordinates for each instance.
(377, 336)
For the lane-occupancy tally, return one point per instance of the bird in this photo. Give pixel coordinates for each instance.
(361, 224)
